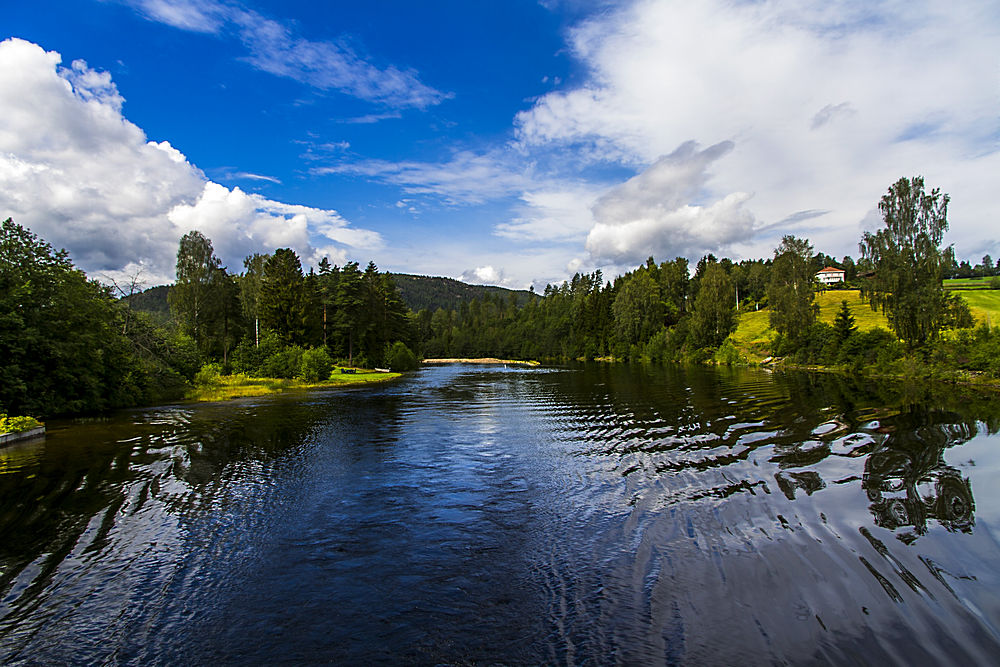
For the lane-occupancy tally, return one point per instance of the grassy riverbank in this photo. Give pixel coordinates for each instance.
(226, 387)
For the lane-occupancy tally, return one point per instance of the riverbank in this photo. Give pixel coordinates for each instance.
(484, 360)
(226, 387)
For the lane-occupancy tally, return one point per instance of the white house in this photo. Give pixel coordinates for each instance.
(830, 275)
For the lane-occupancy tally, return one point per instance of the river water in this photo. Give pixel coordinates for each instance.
(594, 514)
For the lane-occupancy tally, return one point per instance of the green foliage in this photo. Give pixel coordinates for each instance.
(713, 317)
(843, 324)
(728, 354)
(17, 424)
(908, 262)
(283, 298)
(285, 363)
(61, 335)
(400, 358)
(208, 375)
(249, 358)
(316, 364)
(790, 292)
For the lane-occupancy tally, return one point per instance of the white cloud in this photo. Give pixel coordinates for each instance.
(81, 176)
(826, 103)
(483, 275)
(467, 178)
(654, 212)
(555, 213)
(275, 48)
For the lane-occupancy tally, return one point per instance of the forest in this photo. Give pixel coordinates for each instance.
(72, 345)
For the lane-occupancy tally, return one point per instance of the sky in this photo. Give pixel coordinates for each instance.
(511, 143)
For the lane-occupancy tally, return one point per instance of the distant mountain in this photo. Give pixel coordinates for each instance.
(418, 292)
(152, 300)
(429, 292)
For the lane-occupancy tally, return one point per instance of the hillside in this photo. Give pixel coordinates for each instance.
(429, 292)
(418, 292)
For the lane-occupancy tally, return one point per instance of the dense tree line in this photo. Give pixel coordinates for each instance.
(269, 316)
(69, 346)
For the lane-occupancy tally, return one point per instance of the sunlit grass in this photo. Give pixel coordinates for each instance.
(967, 283)
(984, 304)
(241, 386)
(754, 334)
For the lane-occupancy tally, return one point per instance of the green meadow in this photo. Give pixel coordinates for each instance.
(984, 304)
(754, 334)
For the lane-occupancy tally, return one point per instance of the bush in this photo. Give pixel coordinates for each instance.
(208, 375)
(286, 363)
(401, 359)
(316, 365)
(248, 358)
(17, 424)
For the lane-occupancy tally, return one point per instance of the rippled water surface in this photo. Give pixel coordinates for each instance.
(477, 514)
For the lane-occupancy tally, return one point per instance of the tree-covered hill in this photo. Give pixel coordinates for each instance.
(429, 292)
(418, 292)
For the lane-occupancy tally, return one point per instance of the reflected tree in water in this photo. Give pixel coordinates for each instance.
(909, 483)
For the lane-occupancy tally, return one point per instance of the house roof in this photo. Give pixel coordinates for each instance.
(830, 269)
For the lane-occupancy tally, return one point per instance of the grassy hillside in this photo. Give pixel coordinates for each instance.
(753, 335)
(968, 283)
(985, 305)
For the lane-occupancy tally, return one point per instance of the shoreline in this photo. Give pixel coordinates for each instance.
(236, 386)
(483, 360)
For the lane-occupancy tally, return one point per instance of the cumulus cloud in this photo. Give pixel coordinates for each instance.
(483, 275)
(274, 47)
(81, 176)
(827, 104)
(655, 213)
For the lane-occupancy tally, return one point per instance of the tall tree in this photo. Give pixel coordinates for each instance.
(283, 298)
(250, 288)
(350, 308)
(61, 345)
(194, 297)
(713, 316)
(908, 262)
(790, 291)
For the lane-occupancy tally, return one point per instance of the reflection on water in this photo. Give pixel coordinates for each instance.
(600, 514)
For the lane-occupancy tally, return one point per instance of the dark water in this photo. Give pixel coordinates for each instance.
(473, 514)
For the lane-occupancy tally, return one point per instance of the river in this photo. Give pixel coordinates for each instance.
(591, 514)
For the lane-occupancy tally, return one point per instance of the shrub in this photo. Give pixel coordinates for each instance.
(17, 424)
(208, 375)
(286, 363)
(248, 358)
(316, 365)
(400, 358)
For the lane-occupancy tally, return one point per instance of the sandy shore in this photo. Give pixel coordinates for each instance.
(486, 360)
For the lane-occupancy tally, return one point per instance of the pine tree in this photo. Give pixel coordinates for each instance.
(843, 324)
(283, 297)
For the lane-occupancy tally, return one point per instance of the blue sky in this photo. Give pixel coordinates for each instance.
(511, 143)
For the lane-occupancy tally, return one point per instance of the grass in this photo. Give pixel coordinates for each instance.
(968, 283)
(240, 386)
(754, 334)
(985, 305)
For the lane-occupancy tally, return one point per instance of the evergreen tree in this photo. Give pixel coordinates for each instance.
(843, 323)
(349, 300)
(283, 298)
